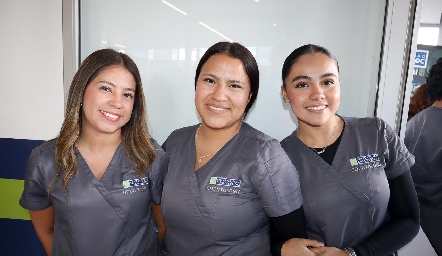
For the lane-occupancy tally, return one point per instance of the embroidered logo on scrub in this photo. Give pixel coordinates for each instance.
(135, 185)
(226, 185)
(364, 162)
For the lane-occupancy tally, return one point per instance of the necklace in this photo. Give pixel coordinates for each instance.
(198, 149)
(328, 142)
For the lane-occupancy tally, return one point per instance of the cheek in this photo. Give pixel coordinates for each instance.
(295, 98)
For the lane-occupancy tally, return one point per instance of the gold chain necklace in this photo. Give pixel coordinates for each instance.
(328, 142)
(198, 149)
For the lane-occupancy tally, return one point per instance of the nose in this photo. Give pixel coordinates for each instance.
(219, 94)
(116, 101)
(317, 93)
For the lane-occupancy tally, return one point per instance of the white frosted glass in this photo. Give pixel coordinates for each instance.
(167, 38)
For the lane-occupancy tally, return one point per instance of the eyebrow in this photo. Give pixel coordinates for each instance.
(309, 78)
(113, 85)
(230, 81)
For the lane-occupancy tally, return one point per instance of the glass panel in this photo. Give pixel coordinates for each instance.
(167, 38)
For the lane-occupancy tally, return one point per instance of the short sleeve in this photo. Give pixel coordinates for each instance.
(35, 194)
(397, 158)
(158, 171)
(277, 181)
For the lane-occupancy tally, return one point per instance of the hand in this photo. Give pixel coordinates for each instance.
(299, 247)
(329, 251)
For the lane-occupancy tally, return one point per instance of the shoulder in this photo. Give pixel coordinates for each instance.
(289, 139)
(182, 132)
(44, 151)
(250, 133)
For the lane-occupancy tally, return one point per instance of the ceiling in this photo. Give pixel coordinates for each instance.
(431, 11)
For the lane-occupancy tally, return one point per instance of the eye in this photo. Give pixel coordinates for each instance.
(236, 86)
(129, 95)
(328, 82)
(209, 80)
(301, 85)
(105, 88)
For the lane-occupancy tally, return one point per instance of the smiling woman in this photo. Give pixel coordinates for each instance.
(355, 172)
(225, 178)
(118, 170)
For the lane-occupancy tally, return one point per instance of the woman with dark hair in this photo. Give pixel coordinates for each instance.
(419, 101)
(225, 178)
(354, 172)
(90, 191)
(423, 139)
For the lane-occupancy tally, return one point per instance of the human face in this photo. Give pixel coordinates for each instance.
(313, 89)
(222, 92)
(108, 101)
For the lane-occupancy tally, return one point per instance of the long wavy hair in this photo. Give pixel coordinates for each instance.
(134, 134)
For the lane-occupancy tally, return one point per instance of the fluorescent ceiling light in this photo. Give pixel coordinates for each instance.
(174, 7)
(216, 32)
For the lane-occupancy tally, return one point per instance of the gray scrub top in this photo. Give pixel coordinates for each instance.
(347, 201)
(110, 216)
(424, 140)
(223, 207)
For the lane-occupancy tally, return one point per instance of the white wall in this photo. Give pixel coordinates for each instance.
(31, 69)
(155, 34)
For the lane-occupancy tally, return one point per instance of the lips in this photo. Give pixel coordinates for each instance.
(110, 116)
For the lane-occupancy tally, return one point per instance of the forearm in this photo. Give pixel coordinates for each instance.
(43, 221)
(403, 225)
(158, 217)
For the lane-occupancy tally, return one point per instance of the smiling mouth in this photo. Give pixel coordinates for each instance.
(215, 108)
(321, 107)
(109, 115)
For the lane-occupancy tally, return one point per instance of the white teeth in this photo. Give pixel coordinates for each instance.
(109, 115)
(317, 107)
(215, 108)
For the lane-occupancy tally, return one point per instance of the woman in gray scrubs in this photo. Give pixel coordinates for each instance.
(225, 178)
(91, 190)
(424, 141)
(359, 197)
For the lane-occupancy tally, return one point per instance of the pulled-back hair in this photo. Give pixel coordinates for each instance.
(135, 136)
(237, 51)
(298, 53)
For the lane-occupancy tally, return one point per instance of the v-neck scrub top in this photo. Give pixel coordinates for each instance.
(345, 202)
(110, 216)
(223, 207)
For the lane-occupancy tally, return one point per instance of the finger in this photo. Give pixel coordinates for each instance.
(318, 250)
(312, 243)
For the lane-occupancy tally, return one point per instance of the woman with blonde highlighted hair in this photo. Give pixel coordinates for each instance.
(92, 189)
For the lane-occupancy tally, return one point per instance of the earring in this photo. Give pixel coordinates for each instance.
(286, 101)
(81, 104)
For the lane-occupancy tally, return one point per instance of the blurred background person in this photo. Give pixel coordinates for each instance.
(419, 101)
(423, 139)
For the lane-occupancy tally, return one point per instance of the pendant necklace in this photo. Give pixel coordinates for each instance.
(328, 142)
(199, 152)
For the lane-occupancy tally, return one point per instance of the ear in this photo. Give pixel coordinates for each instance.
(284, 94)
(250, 96)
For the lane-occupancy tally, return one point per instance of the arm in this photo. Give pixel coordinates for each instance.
(286, 233)
(156, 210)
(403, 225)
(43, 221)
